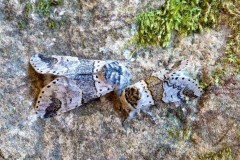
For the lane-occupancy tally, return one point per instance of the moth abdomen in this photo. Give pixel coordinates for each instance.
(132, 96)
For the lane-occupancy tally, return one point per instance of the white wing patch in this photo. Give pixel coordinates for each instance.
(98, 65)
(102, 87)
(56, 65)
(171, 93)
(176, 82)
(145, 95)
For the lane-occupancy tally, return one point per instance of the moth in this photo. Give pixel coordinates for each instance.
(169, 85)
(77, 82)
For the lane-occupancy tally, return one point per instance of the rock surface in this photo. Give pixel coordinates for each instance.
(99, 30)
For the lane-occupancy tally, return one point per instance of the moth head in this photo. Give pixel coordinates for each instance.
(117, 75)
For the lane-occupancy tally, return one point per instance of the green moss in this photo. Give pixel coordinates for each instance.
(53, 23)
(223, 154)
(182, 134)
(41, 7)
(218, 75)
(238, 132)
(28, 9)
(233, 44)
(155, 27)
(21, 24)
(203, 84)
(230, 62)
(44, 6)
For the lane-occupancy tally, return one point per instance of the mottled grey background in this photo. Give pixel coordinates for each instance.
(100, 29)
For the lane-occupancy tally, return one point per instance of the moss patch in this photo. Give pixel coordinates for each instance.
(155, 27)
(21, 24)
(53, 24)
(223, 154)
(229, 64)
(180, 135)
(42, 7)
(232, 56)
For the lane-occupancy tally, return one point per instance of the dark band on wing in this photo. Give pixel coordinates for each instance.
(52, 109)
(189, 93)
(87, 84)
(48, 59)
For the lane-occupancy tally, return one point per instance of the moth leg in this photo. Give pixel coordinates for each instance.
(152, 116)
(132, 115)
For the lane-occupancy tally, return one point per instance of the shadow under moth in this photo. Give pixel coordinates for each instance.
(77, 81)
(169, 85)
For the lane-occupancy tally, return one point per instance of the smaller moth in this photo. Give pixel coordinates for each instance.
(77, 82)
(171, 85)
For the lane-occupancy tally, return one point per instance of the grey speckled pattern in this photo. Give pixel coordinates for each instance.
(99, 30)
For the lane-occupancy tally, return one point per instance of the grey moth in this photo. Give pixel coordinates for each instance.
(171, 85)
(77, 82)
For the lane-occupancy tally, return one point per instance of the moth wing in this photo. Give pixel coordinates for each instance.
(176, 87)
(173, 69)
(188, 84)
(92, 86)
(59, 96)
(61, 65)
(112, 72)
(102, 87)
(171, 93)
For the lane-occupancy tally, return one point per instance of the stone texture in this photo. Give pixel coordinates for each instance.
(99, 30)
